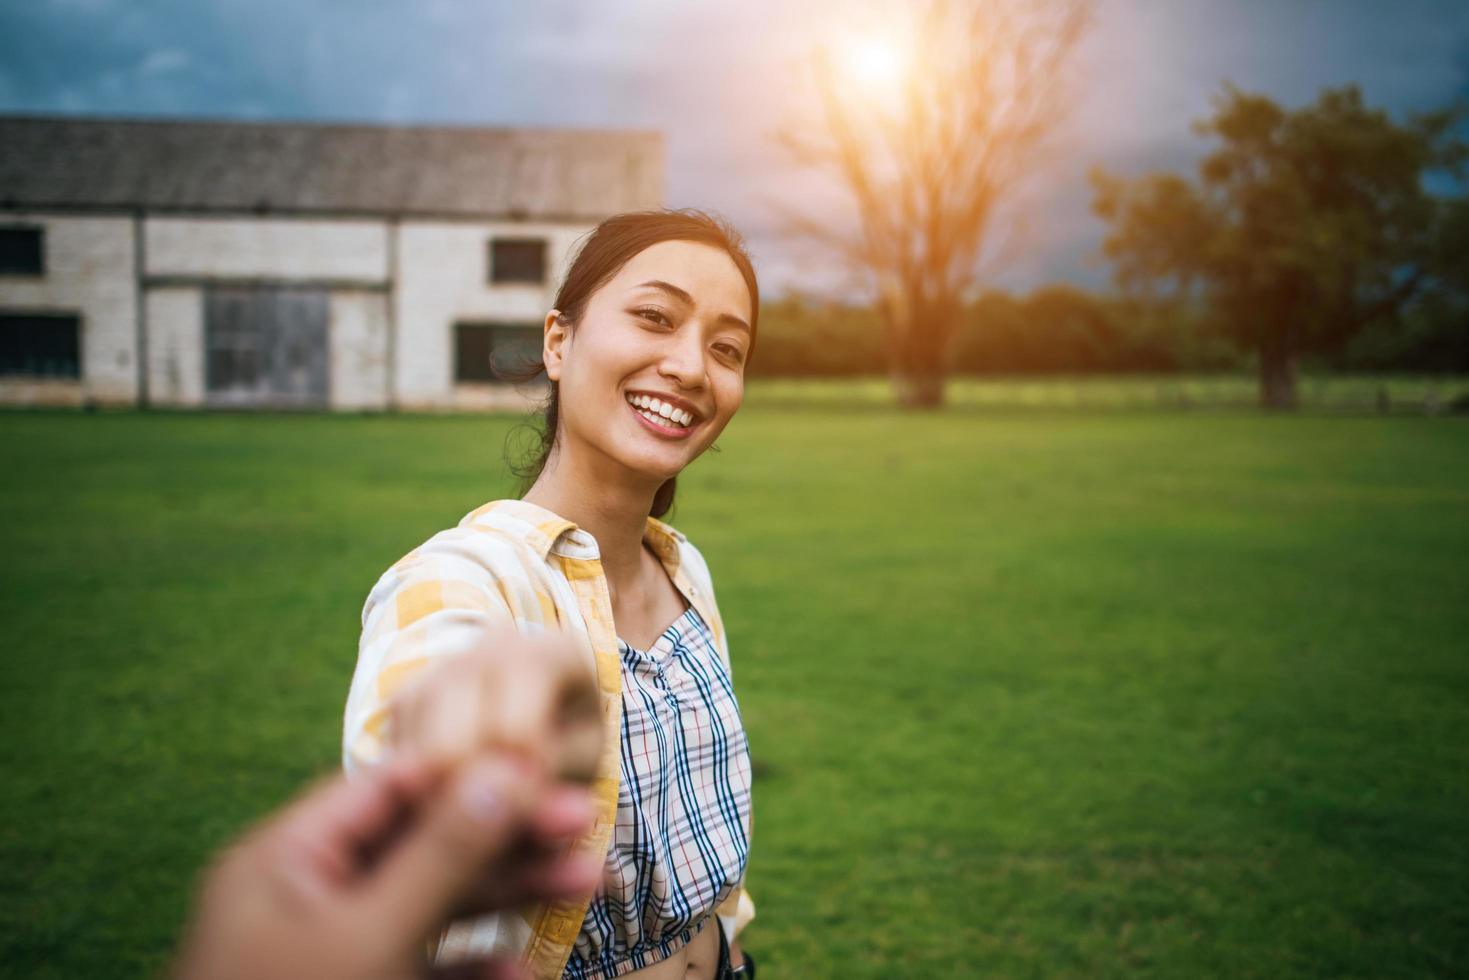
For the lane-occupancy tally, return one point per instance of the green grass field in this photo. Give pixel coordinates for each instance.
(1031, 695)
(1337, 393)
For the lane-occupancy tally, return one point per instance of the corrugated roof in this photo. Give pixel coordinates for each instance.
(68, 162)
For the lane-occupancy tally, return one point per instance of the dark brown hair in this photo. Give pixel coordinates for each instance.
(601, 256)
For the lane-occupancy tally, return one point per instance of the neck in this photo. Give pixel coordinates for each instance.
(606, 505)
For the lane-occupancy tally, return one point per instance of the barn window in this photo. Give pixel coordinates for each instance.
(518, 260)
(40, 345)
(20, 251)
(483, 351)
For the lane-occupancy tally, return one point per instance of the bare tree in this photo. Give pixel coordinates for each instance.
(974, 89)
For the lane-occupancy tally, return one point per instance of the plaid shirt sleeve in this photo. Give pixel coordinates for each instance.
(437, 601)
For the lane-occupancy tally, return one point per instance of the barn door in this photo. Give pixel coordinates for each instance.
(265, 347)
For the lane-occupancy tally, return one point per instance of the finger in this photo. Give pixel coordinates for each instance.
(445, 717)
(401, 786)
(325, 832)
(527, 869)
(565, 811)
(521, 716)
(578, 740)
(516, 717)
(465, 828)
(577, 680)
(498, 969)
(554, 712)
(531, 874)
(572, 876)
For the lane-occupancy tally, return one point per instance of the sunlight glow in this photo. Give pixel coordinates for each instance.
(873, 63)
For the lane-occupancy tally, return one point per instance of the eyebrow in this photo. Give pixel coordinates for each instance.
(683, 295)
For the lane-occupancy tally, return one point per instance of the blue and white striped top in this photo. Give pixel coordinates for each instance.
(682, 834)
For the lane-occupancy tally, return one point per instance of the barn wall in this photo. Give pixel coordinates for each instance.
(175, 318)
(358, 336)
(88, 272)
(184, 256)
(443, 277)
(267, 248)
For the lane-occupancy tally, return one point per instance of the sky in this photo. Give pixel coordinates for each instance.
(717, 79)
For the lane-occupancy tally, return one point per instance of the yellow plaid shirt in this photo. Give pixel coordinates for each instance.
(514, 563)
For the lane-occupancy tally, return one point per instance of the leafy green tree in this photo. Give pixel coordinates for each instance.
(1301, 229)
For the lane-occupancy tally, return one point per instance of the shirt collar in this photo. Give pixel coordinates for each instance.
(548, 532)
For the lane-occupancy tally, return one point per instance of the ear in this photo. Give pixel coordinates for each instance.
(553, 343)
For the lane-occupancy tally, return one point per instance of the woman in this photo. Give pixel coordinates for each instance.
(645, 353)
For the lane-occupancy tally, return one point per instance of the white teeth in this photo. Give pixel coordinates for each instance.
(659, 411)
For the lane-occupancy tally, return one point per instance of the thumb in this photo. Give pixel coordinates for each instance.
(452, 843)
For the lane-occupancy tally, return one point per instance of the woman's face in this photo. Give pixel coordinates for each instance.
(671, 325)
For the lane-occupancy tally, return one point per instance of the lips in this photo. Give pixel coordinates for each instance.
(661, 427)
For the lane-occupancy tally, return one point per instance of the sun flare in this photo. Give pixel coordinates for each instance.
(873, 63)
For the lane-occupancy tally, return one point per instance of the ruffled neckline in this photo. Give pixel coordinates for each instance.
(666, 640)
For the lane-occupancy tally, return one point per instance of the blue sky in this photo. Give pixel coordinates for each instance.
(716, 79)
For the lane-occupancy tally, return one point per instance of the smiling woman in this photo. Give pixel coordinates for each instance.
(617, 286)
(645, 352)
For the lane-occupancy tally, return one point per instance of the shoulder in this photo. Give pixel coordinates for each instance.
(692, 564)
(690, 558)
(694, 569)
(472, 550)
(693, 559)
(492, 556)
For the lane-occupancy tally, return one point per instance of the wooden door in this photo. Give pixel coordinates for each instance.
(265, 347)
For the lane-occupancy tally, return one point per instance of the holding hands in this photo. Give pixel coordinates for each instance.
(473, 813)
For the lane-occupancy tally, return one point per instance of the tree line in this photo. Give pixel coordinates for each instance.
(1063, 329)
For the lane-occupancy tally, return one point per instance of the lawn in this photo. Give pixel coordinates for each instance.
(1037, 694)
(1353, 393)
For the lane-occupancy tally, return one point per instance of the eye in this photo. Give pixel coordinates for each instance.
(651, 313)
(734, 351)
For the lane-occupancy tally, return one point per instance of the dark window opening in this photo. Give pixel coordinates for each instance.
(21, 252)
(518, 260)
(39, 345)
(485, 351)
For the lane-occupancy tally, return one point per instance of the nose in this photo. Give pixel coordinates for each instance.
(683, 359)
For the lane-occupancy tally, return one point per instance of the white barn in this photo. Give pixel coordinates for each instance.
(268, 265)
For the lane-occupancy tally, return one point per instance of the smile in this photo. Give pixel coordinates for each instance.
(660, 417)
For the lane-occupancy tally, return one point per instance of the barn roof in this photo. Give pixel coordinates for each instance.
(194, 166)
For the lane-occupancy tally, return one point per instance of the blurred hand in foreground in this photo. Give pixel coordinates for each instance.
(470, 815)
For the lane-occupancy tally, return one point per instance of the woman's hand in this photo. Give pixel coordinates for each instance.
(532, 695)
